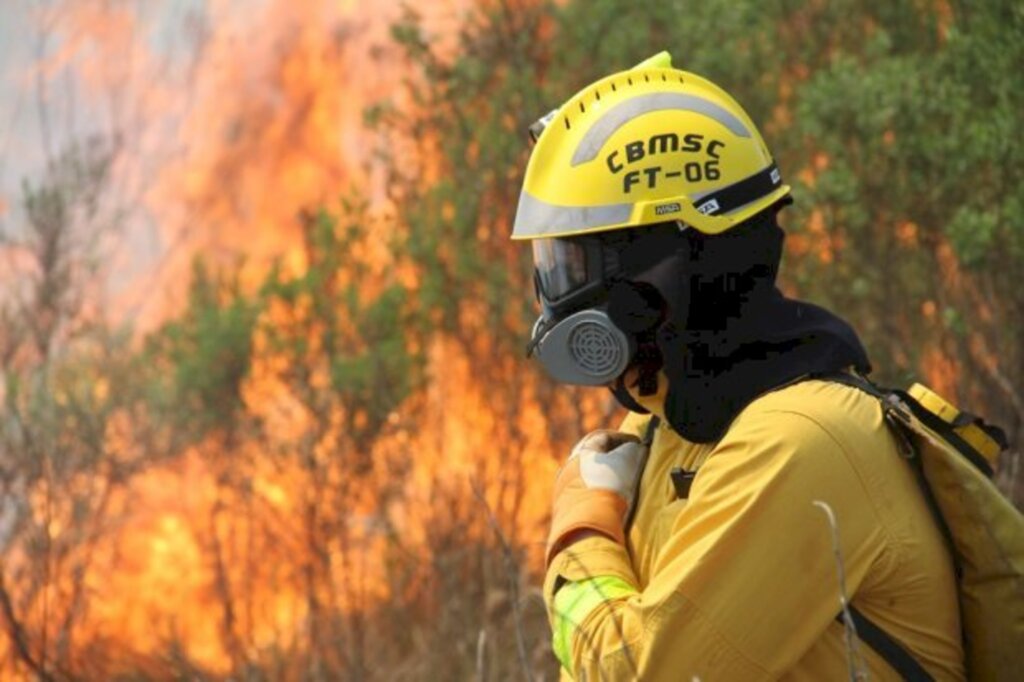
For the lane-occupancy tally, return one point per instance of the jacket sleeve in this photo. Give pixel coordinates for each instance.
(746, 580)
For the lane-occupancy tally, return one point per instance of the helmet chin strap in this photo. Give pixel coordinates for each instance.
(624, 397)
(639, 309)
(648, 363)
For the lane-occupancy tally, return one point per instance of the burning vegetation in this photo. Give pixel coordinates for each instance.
(302, 442)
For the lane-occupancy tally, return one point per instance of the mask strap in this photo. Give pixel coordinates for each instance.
(648, 382)
(648, 363)
(622, 395)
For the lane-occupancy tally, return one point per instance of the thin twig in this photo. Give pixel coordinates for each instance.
(512, 572)
(854, 659)
(17, 633)
(481, 656)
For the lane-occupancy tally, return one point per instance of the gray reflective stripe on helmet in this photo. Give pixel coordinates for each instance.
(621, 114)
(536, 218)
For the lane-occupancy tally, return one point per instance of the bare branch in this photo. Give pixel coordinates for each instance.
(512, 573)
(856, 662)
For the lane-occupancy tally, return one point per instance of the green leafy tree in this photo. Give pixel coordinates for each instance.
(894, 122)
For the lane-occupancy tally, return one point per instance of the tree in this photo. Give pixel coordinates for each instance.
(73, 429)
(893, 123)
(284, 392)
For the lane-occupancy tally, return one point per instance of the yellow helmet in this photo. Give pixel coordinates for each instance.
(649, 145)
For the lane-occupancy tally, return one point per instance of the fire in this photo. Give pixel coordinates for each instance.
(215, 555)
(274, 129)
(233, 551)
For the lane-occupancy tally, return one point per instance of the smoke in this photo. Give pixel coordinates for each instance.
(226, 122)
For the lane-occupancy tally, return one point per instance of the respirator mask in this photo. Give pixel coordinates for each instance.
(592, 321)
(574, 338)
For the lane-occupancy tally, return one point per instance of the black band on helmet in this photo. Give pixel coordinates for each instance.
(740, 193)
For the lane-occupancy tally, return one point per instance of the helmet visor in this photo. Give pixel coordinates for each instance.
(561, 266)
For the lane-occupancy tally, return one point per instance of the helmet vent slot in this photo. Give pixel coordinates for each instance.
(583, 109)
(594, 348)
(567, 126)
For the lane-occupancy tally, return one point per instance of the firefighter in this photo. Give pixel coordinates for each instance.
(687, 544)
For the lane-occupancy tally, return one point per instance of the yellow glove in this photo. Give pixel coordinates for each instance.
(595, 488)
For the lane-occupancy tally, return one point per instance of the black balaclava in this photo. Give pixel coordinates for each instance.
(709, 315)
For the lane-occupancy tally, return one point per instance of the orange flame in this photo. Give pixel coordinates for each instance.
(211, 558)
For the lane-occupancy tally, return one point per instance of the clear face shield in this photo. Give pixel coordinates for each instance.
(574, 338)
(561, 267)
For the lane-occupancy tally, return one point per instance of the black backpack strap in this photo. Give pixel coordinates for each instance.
(948, 434)
(871, 634)
(652, 428)
(932, 421)
(647, 440)
(854, 380)
(886, 647)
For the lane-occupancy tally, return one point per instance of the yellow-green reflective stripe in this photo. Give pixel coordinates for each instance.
(574, 602)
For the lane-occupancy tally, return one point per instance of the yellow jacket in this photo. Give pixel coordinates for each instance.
(739, 581)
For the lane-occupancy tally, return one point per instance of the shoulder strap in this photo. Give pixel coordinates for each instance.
(652, 428)
(854, 380)
(933, 422)
(647, 440)
(887, 647)
(871, 634)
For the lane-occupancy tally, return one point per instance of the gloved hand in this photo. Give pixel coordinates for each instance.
(595, 488)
